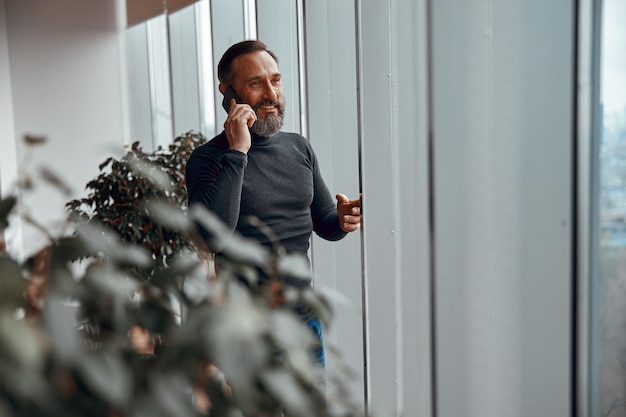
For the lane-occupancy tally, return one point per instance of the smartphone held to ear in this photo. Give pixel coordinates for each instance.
(229, 94)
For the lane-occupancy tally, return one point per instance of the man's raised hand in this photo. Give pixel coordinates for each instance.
(349, 212)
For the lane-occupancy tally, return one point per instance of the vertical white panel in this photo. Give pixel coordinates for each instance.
(277, 27)
(332, 120)
(377, 178)
(395, 182)
(412, 188)
(249, 19)
(207, 68)
(160, 81)
(185, 71)
(138, 76)
(503, 121)
(227, 28)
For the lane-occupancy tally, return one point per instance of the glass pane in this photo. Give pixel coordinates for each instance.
(139, 85)
(184, 69)
(205, 68)
(611, 305)
(158, 52)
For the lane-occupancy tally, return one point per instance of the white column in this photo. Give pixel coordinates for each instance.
(330, 56)
(503, 145)
(395, 182)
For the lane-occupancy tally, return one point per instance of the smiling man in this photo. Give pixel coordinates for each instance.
(252, 168)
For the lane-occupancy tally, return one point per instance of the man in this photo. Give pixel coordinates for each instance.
(254, 169)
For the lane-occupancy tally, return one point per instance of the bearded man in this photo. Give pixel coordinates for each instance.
(252, 168)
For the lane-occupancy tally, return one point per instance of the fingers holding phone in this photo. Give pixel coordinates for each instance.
(240, 118)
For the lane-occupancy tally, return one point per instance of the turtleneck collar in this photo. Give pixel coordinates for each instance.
(258, 140)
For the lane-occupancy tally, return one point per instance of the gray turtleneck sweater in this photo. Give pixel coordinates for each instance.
(278, 181)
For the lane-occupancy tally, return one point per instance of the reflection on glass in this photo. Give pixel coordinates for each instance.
(611, 306)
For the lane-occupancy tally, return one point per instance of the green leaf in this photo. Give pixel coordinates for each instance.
(296, 398)
(168, 215)
(19, 342)
(294, 265)
(230, 244)
(33, 140)
(72, 248)
(6, 206)
(172, 391)
(55, 180)
(61, 330)
(111, 281)
(152, 172)
(4, 409)
(99, 238)
(12, 283)
(107, 375)
(105, 163)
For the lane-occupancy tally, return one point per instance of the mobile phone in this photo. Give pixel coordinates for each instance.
(229, 94)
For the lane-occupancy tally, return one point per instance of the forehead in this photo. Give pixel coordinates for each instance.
(253, 65)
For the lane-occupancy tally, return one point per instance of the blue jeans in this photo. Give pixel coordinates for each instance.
(315, 326)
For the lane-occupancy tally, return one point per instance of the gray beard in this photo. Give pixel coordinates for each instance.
(268, 126)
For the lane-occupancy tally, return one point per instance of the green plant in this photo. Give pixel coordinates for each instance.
(119, 197)
(66, 314)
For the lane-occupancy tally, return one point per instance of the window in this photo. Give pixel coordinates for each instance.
(170, 73)
(609, 318)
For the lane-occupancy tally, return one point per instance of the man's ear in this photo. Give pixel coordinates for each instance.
(222, 87)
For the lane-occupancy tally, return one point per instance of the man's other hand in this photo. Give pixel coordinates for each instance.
(349, 212)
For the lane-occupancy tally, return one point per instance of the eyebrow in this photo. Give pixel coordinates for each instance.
(258, 77)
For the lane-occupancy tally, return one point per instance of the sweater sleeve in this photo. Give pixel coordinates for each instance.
(324, 208)
(214, 178)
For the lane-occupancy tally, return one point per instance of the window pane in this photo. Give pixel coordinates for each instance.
(205, 68)
(611, 289)
(160, 81)
(184, 66)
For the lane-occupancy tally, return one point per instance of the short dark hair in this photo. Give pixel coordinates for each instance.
(225, 66)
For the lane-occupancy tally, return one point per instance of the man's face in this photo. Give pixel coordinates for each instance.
(257, 82)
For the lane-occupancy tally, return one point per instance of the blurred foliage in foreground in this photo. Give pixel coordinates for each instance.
(109, 323)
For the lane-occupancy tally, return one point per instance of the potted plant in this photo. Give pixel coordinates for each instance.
(233, 355)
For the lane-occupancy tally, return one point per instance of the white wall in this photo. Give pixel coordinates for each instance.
(8, 156)
(8, 160)
(65, 68)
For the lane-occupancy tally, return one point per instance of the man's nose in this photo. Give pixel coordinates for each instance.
(270, 92)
